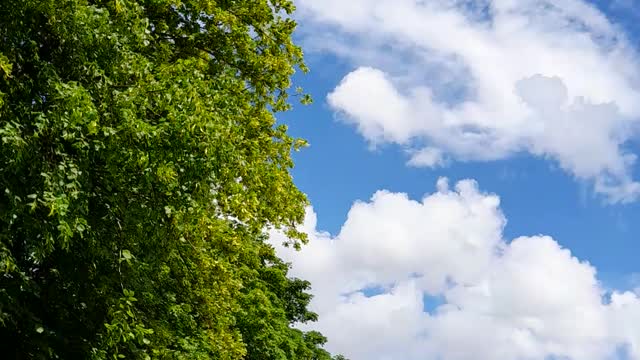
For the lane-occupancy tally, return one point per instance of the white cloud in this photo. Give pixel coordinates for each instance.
(528, 298)
(482, 80)
(426, 157)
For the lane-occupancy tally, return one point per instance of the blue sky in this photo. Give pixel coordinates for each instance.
(340, 168)
(544, 188)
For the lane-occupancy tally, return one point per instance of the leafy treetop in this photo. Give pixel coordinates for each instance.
(140, 164)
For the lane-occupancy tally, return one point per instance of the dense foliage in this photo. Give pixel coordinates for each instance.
(140, 164)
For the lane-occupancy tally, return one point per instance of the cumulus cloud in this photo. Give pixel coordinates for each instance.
(483, 80)
(435, 279)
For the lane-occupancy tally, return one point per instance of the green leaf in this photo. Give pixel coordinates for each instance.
(126, 255)
(5, 66)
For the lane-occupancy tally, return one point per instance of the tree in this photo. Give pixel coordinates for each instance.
(140, 165)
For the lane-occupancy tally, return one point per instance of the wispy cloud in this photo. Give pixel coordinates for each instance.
(483, 80)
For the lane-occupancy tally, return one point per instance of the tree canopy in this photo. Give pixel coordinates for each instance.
(140, 166)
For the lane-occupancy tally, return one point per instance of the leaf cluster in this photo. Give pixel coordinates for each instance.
(140, 164)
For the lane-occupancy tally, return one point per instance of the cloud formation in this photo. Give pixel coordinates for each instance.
(435, 279)
(483, 80)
